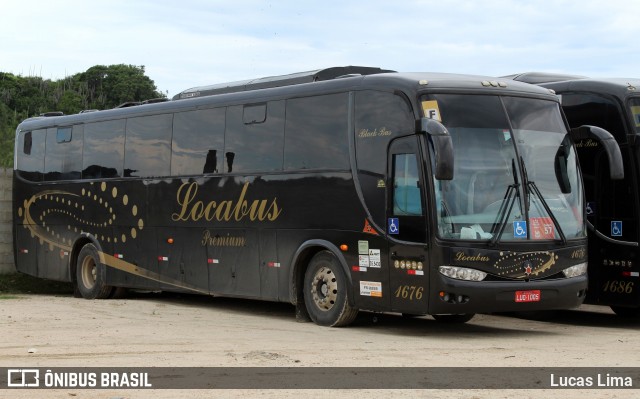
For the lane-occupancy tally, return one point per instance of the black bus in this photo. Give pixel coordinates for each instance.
(334, 190)
(613, 206)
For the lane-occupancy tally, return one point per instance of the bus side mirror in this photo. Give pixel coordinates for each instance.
(442, 147)
(560, 167)
(609, 144)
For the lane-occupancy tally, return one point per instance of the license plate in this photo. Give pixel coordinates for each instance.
(528, 296)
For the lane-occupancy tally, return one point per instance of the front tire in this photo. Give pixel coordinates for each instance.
(90, 274)
(326, 295)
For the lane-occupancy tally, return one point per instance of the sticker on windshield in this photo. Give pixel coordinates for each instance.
(507, 135)
(542, 228)
(431, 110)
(520, 229)
(635, 110)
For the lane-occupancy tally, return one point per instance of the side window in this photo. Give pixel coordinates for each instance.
(316, 133)
(63, 160)
(591, 109)
(254, 141)
(148, 146)
(103, 154)
(198, 142)
(406, 218)
(30, 161)
(379, 117)
(407, 200)
(27, 143)
(63, 135)
(254, 114)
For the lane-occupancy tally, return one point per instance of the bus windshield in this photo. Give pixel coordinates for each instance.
(515, 173)
(634, 105)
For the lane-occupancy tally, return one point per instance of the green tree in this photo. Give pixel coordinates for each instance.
(99, 87)
(110, 86)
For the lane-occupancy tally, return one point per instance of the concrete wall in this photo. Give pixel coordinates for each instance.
(6, 239)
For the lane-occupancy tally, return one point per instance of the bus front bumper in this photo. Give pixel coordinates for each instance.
(452, 296)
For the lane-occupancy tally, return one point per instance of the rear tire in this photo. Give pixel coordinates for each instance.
(90, 274)
(453, 318)
(326, 295)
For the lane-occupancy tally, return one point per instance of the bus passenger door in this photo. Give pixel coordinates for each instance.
(406, 227)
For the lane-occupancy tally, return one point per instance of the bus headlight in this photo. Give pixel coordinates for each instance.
(575, 271)
(462, 273)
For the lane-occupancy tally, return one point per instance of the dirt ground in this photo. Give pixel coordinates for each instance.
(183, 331)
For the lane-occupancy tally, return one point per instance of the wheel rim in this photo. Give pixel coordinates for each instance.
(324, 289)
(89, 272)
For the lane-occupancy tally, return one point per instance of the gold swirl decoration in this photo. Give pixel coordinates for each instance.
(512, 264)
(56, 217)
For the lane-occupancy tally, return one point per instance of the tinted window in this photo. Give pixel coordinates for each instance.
(536, 115)
(406, 185)
(254, 114)
(63, 135)
(27, 143)
(254, 147)
(380, 116)
(103, 153)
(634, 107)
(198, 142)
(63, 160)
(405, 192)
(590, 109)
(31, 159)
(148, 146)
(316, 133)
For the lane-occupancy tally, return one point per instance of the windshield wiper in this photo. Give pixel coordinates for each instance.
(506, 207)
(530, 186)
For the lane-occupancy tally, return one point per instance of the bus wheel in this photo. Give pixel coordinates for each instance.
(626, 312)
(90, 274)
(453, 318)
(326, 293)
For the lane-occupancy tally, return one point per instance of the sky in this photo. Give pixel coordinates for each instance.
(189, 43)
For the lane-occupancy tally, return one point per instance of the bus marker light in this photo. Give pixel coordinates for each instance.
(210, 261)
(170, 240)
(273, 264)
(119, 256)
(344, 247)
(630, 274)
(163, 258)
(24, 251)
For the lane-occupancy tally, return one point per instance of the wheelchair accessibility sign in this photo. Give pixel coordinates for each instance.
(616, 228)
(393, 226)
(520, 229)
